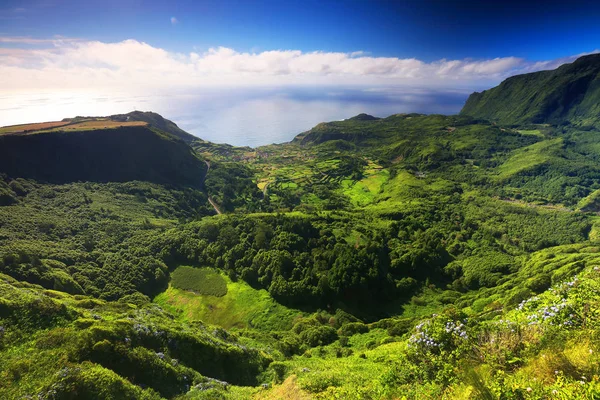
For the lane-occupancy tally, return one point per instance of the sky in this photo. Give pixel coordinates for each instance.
(176, 47)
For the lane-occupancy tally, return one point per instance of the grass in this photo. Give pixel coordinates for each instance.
(288, 390)
(203, 281)
(32, 127)
(531, 132)
(98, 124)
(590, 202)
(366, 190)
(325, 375)
(68, 126)
(528, 158)
(241, 307)
(405, 191)
(57, 357)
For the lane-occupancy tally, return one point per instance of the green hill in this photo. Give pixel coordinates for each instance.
(118, 154)
(568, 94)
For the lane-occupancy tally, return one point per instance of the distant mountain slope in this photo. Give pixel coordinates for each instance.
(569, 93)
(119, 154)
(157, 121)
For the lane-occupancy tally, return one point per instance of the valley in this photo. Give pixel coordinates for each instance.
(407, 257)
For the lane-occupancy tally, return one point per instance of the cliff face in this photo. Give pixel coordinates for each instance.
(102, 155)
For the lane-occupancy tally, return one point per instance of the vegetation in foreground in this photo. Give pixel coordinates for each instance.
(406, 257)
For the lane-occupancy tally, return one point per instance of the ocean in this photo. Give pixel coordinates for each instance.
(240, 117)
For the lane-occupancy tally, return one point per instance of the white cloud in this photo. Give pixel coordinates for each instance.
(24, 40)
(174, 21)
(75, 64)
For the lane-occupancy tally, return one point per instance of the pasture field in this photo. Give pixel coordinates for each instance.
(32, 127)
(531, 132)
(366, 190)
(98, 124)
(68, 126)
(199, 280)
(529, 157)
(241, 307)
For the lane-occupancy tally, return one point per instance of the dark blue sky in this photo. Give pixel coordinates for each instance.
(427, 30)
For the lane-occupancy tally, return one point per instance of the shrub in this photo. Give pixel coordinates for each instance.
(289, 345)
(318, 336)
(90, 381)
(539, 283)
(54, 338)
(304, 324)
(341, 317)
(353, 328)
(135, 298)
(279, 369)
(399, 327)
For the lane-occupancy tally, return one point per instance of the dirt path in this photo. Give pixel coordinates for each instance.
(214, 205)
(210, 200)
(265, 190)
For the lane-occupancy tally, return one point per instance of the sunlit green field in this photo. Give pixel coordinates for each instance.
(241, 307)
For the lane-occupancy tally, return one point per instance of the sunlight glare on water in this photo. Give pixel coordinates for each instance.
(238, 117)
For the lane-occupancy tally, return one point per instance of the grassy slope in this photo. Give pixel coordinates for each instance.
(66, 345)
(242, 307)
(570, 92)
(529, 157)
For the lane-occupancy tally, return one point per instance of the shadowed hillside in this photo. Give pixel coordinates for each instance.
(101, 155)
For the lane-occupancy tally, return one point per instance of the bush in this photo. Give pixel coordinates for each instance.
(353, 328)
(135, 298)
(539, 283)
(289, 345)
(278, 369)
(90, 381)
(341, 317)
(319, 336)
(400, 327)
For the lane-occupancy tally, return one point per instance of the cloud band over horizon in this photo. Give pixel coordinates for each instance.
(61, 63)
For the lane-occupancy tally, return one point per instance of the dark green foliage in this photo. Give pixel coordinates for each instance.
(318, 336)
(399, 327)
(342, 318)
(92, 222)
(90, 381)
(353, 328)
(140, 366)
(7, 193)
(231, 186)
(485, 269)
(199, 280)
